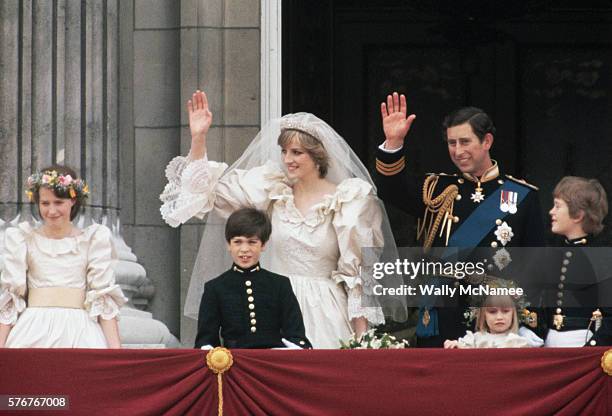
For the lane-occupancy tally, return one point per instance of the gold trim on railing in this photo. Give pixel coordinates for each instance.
(606, 362)
(219, 360)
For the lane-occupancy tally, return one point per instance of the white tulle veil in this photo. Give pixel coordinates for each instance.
(213, 257)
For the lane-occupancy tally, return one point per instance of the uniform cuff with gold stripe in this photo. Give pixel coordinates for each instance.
(388, 164)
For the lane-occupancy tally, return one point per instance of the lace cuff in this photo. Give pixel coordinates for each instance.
(373, 314)
(11, 306)
(105, 302)
(190, 189)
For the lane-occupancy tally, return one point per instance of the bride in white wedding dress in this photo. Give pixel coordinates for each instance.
(323, 209)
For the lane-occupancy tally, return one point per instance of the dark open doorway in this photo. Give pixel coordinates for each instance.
(542, 70)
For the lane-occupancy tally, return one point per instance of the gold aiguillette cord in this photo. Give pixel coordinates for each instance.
(438, 211)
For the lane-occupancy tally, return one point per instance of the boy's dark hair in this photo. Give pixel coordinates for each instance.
(480, 121)
(248, 222)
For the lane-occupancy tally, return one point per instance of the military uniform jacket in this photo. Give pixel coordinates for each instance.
(251, 308)
(458, 210)
(507, 205)
(573, 288)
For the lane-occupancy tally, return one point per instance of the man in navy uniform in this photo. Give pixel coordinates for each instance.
(478, 206)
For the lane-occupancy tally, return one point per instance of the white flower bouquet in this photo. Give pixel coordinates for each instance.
(369, 340)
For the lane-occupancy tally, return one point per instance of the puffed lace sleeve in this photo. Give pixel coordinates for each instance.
(357, 222)
(195, 187)
(104, 297)
(13, 281)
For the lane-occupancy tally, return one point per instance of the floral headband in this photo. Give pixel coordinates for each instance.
(525, 316)
(76, 188)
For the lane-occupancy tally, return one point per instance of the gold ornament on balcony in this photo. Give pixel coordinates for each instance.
(219, 360)
(606, 362)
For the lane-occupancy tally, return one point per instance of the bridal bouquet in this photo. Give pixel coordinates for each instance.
(369, 340)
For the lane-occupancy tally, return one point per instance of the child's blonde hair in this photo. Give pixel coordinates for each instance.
(498, 301)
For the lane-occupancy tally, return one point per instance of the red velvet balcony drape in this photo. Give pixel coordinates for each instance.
(315, 382)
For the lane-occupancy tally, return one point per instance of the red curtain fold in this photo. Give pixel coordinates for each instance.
(315, 382)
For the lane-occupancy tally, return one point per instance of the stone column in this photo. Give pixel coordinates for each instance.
(59, 101)
(219, 53)
(59, 94)
(153, 85)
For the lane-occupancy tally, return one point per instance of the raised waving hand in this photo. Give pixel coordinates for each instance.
(200, 119)
(395, 122)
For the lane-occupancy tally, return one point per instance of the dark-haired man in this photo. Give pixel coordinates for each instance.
(475, 207)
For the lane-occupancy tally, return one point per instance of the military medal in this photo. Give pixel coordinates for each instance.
(478, 196)
(508, 202)
(502, 258)
(491, 173)
(512, 202)
(558, 319)
(503, 201)
(504, 233)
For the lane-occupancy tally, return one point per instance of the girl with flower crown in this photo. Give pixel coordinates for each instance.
(57, 288)
(323, 209)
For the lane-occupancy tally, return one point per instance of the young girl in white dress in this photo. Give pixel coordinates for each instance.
(58, 286)
(322, 205)
(497, 327)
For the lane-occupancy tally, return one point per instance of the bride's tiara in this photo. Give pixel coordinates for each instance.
(289, 124)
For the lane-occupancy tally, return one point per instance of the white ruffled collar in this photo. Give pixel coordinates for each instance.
(346, 191)
(55, 247)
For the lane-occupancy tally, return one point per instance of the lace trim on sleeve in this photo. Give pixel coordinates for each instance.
(190, 189)
(13, 275)
(373, 314)
(11, 305)
(105, 302)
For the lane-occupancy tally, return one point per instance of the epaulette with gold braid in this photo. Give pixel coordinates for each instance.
(440, 174)
(438, 211)
(522, 182)
(389, 169)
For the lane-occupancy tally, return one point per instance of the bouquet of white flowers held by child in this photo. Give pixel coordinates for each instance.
(369, 340)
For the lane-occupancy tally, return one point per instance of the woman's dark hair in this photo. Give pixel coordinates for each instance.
(248, 222)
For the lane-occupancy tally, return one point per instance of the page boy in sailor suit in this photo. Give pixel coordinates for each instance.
(247, 305)
(478, 207)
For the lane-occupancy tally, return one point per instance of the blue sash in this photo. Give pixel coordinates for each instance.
(482, 220)
(469, 234)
